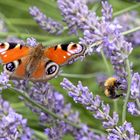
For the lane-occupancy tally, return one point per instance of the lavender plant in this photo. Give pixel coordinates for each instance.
(67, 121)
(4, 79)
(134, 107)
(132, 20)
(12, 125)
(100, 111)
(102, 35)
(45, 23)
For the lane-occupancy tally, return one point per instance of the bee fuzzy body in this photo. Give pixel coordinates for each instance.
(111, 85)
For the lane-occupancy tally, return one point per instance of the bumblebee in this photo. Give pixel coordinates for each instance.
(111, 85)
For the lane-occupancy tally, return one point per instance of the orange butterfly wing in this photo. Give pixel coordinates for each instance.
(12, 51)
(64, 53)
(23, 62)
(39, 74)
(37, 64)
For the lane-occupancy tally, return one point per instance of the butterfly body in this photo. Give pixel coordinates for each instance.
(37, 63)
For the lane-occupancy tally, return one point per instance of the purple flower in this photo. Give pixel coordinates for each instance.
(12, 125)
(76, 15)
(133, 109)
(46, 23)
(135, 86)
(107, 35)
(83, 96)
(4, 79)
(15, 40)
(124, 132)
(86, 134)
(58, 131)
(31, 42)
(131, 19)
(100, 30)
(107, 11)
(45, 95)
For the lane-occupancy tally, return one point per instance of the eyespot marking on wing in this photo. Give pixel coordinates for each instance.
(11, 66)
(4, 47)
(51, 68)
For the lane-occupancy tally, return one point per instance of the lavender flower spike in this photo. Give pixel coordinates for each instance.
(133, 109)
(45, 95)
(83, 96)
(4, 79)
(135, 86)
(47, 24)
(76, 14)
(107, 11)
(12, 125)
(31, 41)
(124, 132)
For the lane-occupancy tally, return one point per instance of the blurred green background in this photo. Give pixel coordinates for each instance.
(20, 24)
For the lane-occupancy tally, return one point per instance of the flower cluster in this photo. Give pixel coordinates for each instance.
(46, 23)
(134, 107)
(12, 125)
(131, 18)
(100, 111)
(83, 96)
(112, 42)
(135, 86)
(126, 132)
(101, 31)
(45, 95)
(4, 79)
(100, 35)
(76, 15)
(31, 42)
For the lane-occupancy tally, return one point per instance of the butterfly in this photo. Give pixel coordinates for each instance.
(37, 63)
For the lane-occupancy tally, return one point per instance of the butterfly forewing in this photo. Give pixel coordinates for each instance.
(11, 51)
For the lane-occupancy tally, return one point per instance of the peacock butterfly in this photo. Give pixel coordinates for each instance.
(37, 63)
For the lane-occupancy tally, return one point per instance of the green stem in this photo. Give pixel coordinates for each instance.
(128, 91)
(96, 6)
(40, 135)
(59, 40)
(16, 4)
(28, 99)
(82, 76)
(115, 103)
(39, 37)
(17, 105)
(20, 21)
(126, 10)
(22, 35)
(138, 103)
(131, 30)
(105, 62)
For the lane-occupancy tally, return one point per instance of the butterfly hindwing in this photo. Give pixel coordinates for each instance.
(43, 71)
